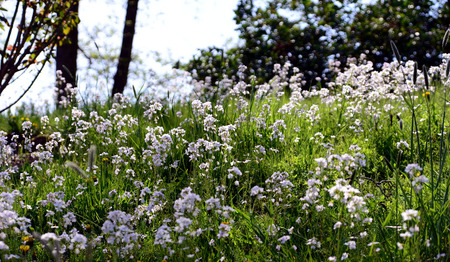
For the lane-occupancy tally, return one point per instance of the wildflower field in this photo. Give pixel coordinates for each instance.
(357, 170)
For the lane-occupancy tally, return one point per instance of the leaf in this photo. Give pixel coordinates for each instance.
(66, 30)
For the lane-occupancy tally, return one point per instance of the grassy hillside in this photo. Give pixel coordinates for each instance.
(356, 171)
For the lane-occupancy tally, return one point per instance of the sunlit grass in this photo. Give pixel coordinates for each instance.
(356, 172)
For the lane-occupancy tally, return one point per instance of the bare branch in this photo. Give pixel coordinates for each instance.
(28, 88)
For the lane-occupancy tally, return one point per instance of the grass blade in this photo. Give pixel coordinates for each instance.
(425, 74)
(396, 52)
(415, 73)
(445, 40)
(447, 71)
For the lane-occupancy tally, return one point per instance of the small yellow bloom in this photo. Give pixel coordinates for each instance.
(105, 159)
(27, 239)
(24, 248)
(225, 222)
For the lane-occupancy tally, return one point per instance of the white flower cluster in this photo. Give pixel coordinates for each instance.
(412, 170)
(6, 149)
(57, 200)
(348, 195)
(410, 226)
(187, 203)
(198, 149)
(201, 109)
(159, 147)
(187, 215)
(118, 230)
(344, 164)
(186, 210)
(9, 219)
(277, 131)
(278, 186)
(73, 241)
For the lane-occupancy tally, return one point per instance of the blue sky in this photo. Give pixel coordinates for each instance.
(175, 29)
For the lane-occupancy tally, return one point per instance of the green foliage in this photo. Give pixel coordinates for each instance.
(359, 170)
(212, 65)
(310, 34)
(277, 223)
(415, 26)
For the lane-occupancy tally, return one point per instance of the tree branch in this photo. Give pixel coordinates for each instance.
(28, 88)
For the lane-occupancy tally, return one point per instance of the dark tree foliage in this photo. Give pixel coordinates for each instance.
(213, 63)
(309, 34)
(414, 26)
(270, 39)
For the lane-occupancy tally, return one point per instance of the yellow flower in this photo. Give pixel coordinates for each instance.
(27, 239)
(427, 95)
(24, 248)
(225, 222)
(91, 179)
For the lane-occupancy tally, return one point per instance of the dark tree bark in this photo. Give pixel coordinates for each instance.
(66, 59)
(120, 78)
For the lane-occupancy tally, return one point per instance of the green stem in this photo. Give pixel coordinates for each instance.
(431, 155)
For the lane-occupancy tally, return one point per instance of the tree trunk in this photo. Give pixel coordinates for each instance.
(66, 59)
(120, 78)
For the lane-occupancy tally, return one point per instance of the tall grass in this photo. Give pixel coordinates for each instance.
(355, 171)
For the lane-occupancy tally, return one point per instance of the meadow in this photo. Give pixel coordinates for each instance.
(356, 170)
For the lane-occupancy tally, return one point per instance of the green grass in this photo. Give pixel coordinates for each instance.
(330, 168)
